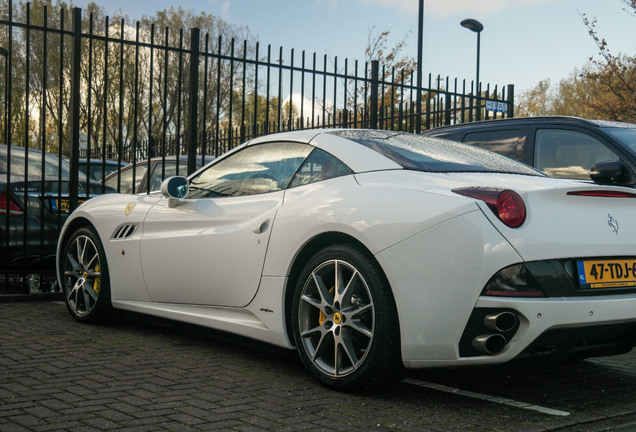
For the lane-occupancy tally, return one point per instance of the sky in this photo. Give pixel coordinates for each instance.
(523, 41)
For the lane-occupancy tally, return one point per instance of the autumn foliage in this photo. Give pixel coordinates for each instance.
(605, 88)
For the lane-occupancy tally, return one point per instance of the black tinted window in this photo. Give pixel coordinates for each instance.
(450, 136)
(503, 142)
(626, 136)
(568, 154)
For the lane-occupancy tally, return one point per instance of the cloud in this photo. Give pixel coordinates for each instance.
(443, 8)
(223, 5)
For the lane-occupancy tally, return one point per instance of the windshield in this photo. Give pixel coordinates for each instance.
(420, 153)
(626, 136)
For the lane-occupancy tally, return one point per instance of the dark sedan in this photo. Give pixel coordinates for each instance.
(34, 202)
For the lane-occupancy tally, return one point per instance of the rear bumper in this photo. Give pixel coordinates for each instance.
(554, 327)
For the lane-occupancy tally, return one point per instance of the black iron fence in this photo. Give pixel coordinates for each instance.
(77, 88)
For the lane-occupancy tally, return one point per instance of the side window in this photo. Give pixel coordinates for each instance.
(568, 154)
(503, 142)
(127, 179)
(253, 170)
(169, 170)
(457, 136)
(320, 165)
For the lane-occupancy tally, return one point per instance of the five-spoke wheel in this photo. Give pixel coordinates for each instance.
(85, 277)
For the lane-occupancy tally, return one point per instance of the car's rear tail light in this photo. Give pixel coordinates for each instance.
(603, 194)
(513, 281)
(9, 206)
(506, 204)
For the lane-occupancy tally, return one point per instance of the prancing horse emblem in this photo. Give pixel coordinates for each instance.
(129, 208)
(612, 223)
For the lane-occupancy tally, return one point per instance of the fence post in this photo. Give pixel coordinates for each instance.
(375, 78)
(447, 108)
(195, 35)
(74, 121)
(511, 100)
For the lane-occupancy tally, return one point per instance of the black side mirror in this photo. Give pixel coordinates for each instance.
(612, 173)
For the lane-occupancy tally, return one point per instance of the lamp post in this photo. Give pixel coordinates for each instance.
(477, 27)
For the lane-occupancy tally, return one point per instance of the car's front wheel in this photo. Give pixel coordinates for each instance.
(85, 281)
(344, 320)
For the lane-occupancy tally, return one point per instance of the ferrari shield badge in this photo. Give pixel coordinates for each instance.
(129, 208)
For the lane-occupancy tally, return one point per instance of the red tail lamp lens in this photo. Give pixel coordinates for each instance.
(8, 206)
(511, 209)
(506, 204)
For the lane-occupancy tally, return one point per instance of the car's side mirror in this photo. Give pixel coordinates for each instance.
(175, 188)
(612, 173)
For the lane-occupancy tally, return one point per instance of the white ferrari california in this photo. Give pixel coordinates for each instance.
(368, 252)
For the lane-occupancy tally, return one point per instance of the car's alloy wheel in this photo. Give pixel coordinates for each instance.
(85, 280)
(344, 322)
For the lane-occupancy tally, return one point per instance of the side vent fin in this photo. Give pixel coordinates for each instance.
(124, 231)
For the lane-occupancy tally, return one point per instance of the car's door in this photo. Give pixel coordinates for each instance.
(210, 248)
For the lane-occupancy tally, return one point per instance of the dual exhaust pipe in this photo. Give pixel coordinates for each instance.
(493, 343)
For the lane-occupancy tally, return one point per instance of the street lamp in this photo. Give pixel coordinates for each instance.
(477, 27)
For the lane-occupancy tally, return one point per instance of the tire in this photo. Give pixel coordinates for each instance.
(344, 320)
(85, 281)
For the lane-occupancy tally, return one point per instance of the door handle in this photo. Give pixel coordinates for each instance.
(262, 227)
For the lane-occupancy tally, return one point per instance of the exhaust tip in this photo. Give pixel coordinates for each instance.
(489, 343)
(502, 321)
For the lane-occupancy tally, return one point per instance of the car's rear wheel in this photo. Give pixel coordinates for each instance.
(344, 320)
(85, 281)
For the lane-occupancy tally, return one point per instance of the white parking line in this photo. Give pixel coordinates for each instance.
(495, 399)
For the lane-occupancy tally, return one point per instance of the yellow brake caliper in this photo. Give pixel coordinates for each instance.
(322, 317)
(97, 282)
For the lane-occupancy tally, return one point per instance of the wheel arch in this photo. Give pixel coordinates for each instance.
(306, 252)
(73, 226)
(68, 231)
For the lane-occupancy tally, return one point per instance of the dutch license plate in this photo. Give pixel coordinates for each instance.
(607, 273)
(63, 205)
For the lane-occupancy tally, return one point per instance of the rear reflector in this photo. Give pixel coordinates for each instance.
(513, 281)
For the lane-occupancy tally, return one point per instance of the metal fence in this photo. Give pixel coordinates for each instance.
(76, 88)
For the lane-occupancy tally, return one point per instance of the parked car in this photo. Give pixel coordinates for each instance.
(135, 178)
(34, 202)
(367, 251)
(98, 169)
(562, 147)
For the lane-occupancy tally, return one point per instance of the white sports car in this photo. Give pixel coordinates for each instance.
(367, 251)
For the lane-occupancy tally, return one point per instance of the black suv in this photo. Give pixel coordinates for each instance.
(563, 147)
